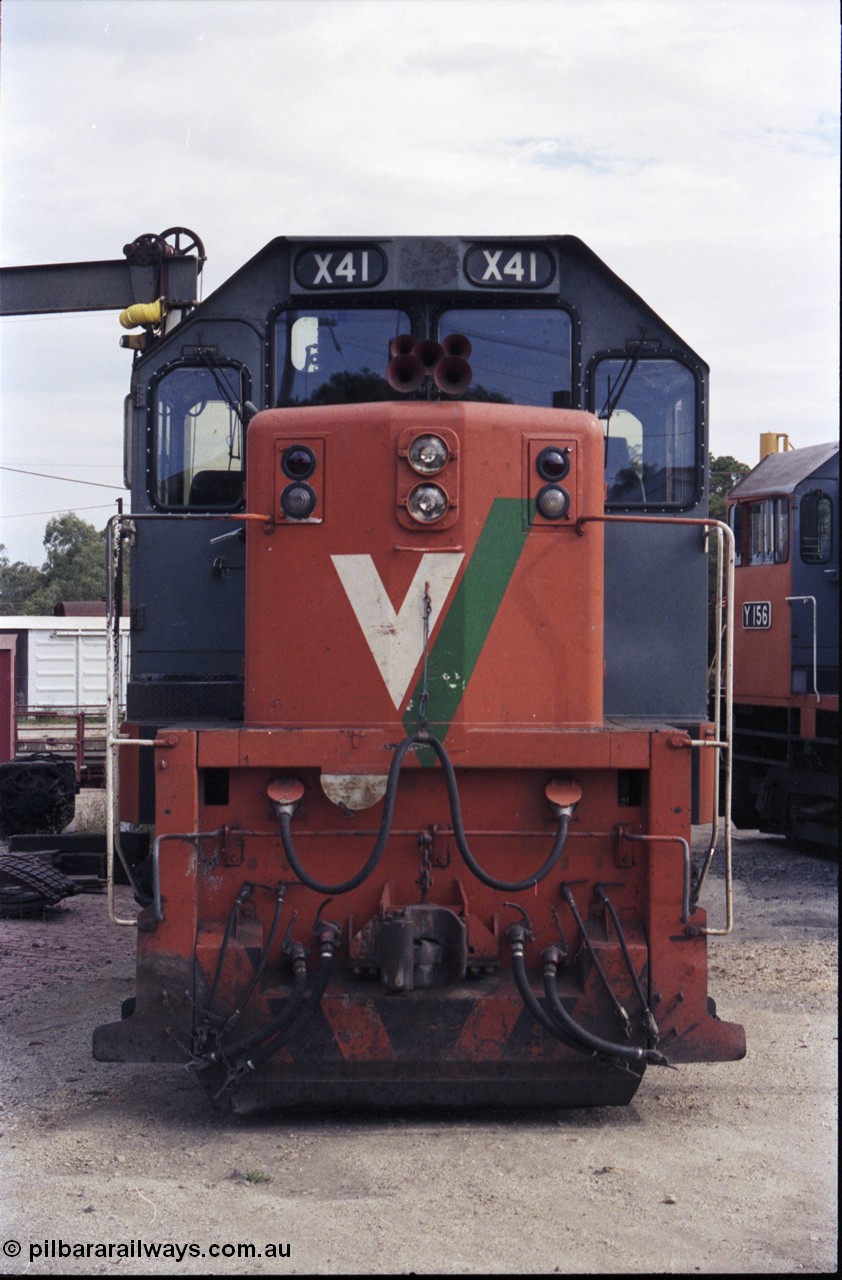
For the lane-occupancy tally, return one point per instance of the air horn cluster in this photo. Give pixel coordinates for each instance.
(415, 359)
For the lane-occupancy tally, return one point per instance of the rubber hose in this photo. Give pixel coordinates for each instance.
(269, 1049)
(261, 964)
(281, 1020)
(425, 740)
(365, 871)
(508, 886)
(628, 1052)
(529, 999)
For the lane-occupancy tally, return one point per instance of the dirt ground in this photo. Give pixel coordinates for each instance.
(723, 1168)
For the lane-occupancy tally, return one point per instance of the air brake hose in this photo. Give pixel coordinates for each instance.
(261, 964)
(290, 1010)
(270, 1047)
(276, 1031)
(630, 1053)
(648, 1016)
(284, 820)
(516, 938)
(507, 886)
(274, 1034)
(565, 1029)
(245, 892)
(423, 739)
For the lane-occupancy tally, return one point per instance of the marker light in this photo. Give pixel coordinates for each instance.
(427, 455)
(553, 502)
(553, 463)
(285, 795)
(564, 795)
(298, 501)
(298, 462)
(427, 503)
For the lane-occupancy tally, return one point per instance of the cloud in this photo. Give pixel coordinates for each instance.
(692, 144)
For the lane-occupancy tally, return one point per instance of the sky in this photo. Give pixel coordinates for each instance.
(692, 144)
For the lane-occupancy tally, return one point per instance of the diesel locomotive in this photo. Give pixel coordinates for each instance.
(417, 702)
(785, 518)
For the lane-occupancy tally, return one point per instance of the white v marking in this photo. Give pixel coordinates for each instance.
(396, 640)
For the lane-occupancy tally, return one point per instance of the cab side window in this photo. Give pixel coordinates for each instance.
(197, 455)
(735, 520)
(649, 410)
(761, 531)
(816, 527)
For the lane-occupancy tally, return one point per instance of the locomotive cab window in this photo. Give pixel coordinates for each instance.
(735, 520)
(648, 408)
(768, 531)
(761, 531)
(197, 454)
(816, 527)
(335, 355)
(517, 356)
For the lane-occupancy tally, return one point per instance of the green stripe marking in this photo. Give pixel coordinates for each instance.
(469, 618)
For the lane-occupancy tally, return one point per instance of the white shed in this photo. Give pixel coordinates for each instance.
(61, 661)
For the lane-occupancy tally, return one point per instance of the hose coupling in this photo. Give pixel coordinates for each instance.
(297, 956)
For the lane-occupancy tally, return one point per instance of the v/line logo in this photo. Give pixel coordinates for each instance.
(396, 638)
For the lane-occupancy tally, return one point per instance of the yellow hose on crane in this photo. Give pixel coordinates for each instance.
(143, 313)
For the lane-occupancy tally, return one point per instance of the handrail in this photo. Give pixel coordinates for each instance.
(812, 600)
(113, 609)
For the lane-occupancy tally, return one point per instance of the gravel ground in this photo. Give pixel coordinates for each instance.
(720, 1168)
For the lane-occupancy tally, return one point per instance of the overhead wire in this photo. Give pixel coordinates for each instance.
(57, 511)
(46, 475)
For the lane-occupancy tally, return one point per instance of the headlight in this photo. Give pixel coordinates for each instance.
(552, 502)
(298, 501)
(427, 455)
(427, 503)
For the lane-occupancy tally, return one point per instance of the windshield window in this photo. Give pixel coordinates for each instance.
(648, 412)
(198, 451)
(335, 356)
(518, 356)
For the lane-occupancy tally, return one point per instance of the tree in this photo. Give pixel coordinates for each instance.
(18, 581)
(74, 569)
(725, 472)
(352, 388)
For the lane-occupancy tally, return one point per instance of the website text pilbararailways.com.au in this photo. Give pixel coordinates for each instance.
(140, 1249)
